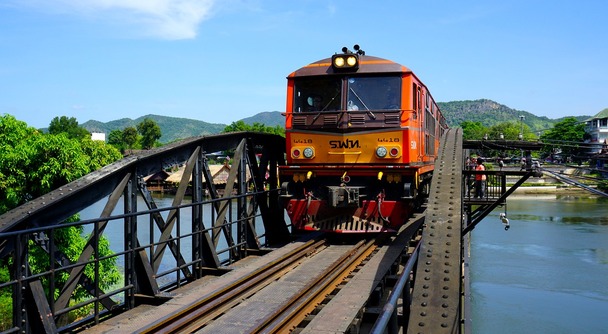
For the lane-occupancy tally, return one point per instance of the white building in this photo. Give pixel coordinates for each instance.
(98, 136)
(597, 128)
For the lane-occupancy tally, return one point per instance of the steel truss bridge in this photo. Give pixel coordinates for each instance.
(422, 286)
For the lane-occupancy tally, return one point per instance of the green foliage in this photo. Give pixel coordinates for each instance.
(603, 185)
(14, 159)
(129, 137)
(31, 165)
(6, 300)
(505, 130)
(150, 133)
(255, 127)
(69, 126)
(115, 139)
(99, 154)
(565, 135)
(473, 130)
(511, 131)
(71, 242)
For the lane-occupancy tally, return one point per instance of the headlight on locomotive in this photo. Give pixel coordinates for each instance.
(339, 62)
(381, 151)
(351, 61)
(303, 153)
(345, 62)
(309, 153)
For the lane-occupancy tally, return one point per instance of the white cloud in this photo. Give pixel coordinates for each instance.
(167, 19)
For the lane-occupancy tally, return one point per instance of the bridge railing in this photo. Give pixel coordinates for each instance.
(56, 286)
(494, 185)
(147, 273)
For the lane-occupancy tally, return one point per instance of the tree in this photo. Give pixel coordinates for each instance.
(31, 165)
(510, 131)
(473, 130)
(256, 127)
(237, 126)
(150, 133)
(68, 126)
(115, 139)
(564, 135)
(129, 137)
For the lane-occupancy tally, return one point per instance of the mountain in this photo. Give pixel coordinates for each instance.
(490, 113)
(487, 112)
(268, 118)
(171, 128)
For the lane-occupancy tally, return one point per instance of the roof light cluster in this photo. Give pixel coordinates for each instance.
(348, 60)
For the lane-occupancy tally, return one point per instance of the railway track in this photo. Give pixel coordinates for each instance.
(291, 310)
(208, 308)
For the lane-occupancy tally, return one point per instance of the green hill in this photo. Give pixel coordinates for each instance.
(490, 113)
(268, 118)
(172, 128)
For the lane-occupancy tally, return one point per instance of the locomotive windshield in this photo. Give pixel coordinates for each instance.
(373, 93)
(361, 93)
(317, 94)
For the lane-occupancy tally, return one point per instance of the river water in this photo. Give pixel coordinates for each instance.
(548, 273)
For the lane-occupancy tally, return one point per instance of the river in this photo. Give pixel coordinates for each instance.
(548, 273)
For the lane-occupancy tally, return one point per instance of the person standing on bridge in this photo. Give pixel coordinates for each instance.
(480, 179)
(469, 183)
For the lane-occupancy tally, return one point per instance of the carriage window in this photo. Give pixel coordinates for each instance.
(317, 94)
(374, 93)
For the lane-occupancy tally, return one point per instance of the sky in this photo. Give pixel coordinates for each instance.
(220, 61)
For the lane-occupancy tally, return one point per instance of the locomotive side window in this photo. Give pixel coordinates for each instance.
(373, 93)
(430, 128)
(317, 94)
(417, 98)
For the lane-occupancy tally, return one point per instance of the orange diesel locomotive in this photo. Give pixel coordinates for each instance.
(362, 136)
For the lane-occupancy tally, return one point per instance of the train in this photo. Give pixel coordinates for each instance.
(362, 136)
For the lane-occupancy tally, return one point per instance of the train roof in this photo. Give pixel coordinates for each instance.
(367, 64)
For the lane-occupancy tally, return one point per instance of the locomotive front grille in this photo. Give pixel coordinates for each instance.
(392, 119)
(299, 120)
(357, 119)
(330, 120)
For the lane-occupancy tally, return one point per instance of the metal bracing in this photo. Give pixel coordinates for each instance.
(484, 206)
(35, 307)
(166, 229)
(223, 206)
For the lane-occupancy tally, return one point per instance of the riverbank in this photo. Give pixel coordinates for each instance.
(554, 189)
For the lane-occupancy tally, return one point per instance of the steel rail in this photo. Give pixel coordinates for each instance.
(300, 306)
(196, 315)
